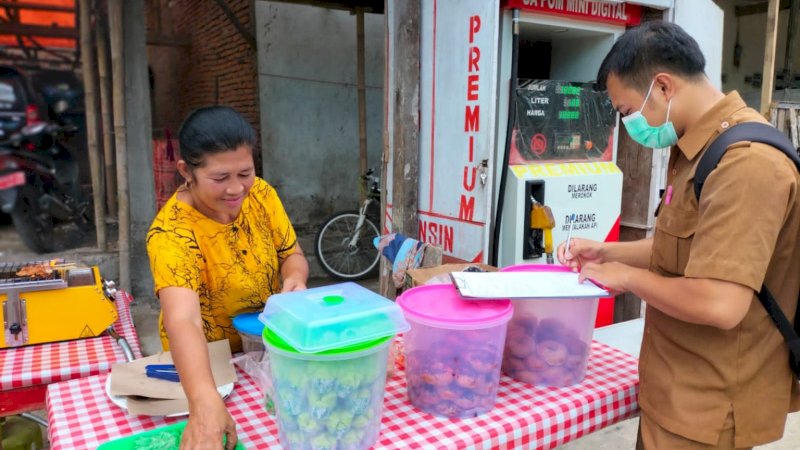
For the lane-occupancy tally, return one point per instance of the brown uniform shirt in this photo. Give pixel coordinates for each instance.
(744, 230)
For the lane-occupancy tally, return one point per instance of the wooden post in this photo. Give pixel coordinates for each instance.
(88, 67)
(405, 26)
(362, 102)
(139, 143)
(768, 80)
(636, 163)
(792, 43)
(405, 176)
(101, 36)
(120, 135)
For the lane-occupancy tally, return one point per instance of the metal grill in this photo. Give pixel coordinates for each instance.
(9, 277)
(15, 313)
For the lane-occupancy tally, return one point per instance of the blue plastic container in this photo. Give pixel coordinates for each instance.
(250, 329)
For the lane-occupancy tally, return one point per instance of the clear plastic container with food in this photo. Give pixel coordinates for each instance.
(549, 340)
(454, 350)
(328, 400)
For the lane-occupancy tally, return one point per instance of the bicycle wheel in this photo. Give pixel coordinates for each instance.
(335, 253)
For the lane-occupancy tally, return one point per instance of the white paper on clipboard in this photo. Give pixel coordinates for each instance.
(476, 285)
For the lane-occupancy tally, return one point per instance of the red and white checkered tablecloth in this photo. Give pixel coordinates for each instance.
(35, 365)
(81, 415)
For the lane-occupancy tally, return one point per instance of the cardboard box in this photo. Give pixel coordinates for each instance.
(418, 277)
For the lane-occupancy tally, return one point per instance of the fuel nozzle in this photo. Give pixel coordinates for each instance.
(542, 219)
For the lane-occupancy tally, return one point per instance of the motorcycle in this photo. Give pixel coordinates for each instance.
(40, 187)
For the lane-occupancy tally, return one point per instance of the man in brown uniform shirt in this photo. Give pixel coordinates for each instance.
(713, 369)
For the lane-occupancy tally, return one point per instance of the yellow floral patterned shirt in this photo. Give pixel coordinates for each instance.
(234, 268)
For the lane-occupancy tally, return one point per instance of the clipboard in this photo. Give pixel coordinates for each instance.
(527, 285)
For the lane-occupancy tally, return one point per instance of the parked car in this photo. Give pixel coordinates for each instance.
(20, 104)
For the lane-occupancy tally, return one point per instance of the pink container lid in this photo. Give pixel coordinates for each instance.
(536, 268)
(440, 305)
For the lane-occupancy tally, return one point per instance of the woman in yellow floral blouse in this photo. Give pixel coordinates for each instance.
(218, 248)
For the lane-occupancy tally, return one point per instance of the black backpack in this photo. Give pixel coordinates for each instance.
(766, 134)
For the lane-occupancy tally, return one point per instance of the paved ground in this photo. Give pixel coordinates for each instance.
(145, 314)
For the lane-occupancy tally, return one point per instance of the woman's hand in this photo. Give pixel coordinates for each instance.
(208, 418)
(294, 271)
(581, 251)
(292, 284)
(208, 421)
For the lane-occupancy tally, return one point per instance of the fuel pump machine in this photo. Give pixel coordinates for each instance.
(561, 174)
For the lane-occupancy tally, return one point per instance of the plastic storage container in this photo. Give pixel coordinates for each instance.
(331, 317)
(328, 350)
(250, 329)
(331, 399)
(549, 340)
(454, 350)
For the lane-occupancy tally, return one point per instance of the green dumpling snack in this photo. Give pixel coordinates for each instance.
(295, 439)
(348, 378)
(308, 424)
(290, 401)
(165, 440)
(360, 422)
(351, 439)
(359, 401)
(321, 405)
(339, 422)
(289, 375)
(322, 377)
(323, 441)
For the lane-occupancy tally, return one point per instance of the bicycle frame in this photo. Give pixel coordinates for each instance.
(362, 214)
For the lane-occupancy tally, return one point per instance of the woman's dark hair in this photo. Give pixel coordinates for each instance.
(213, 129)
(653, 47)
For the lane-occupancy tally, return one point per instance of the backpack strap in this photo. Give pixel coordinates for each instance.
(790, 334)
(765, 134)
(747, 131)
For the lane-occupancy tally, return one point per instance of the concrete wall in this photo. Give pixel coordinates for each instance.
(752, 35)
(309, 115)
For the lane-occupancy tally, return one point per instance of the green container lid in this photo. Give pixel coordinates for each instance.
(332, 317)
(166, 437)
(275, 341)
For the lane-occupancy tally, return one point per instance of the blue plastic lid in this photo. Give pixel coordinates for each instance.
(332, 317)
(248, 323)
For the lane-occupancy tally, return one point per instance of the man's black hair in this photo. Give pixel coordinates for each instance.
(213, 129)
(648, 49)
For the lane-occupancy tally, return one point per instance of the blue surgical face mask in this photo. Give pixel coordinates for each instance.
(642, 132)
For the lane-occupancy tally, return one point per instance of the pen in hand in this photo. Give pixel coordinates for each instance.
(567, 251)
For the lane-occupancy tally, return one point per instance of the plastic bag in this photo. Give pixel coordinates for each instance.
(396, 360)
(256, 365)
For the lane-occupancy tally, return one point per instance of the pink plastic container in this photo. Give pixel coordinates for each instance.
(549, 340)
(454, 350)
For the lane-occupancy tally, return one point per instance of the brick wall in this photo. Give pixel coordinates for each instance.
(219, 67)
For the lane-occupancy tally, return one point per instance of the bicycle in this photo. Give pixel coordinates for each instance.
(344, 242)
